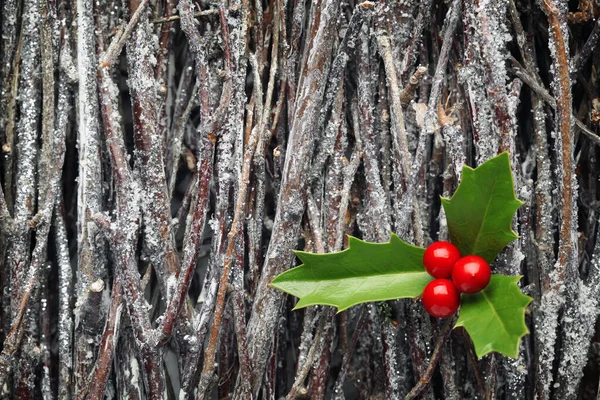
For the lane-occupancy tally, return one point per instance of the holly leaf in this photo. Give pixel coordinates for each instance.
(495, 317)
(480, 213)
(364, 272)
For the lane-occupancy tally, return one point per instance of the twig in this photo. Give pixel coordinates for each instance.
(547, 97)
(239, 312)
(584, 54)
(320, 371)
(178, 132)
(586, 13)
(435, 356)
(45, 338)
(400, 139)
(360, 322)
(106, 349)
(293, 45)
(263, 115)
(208, 295)
(65, 318)
(193, 240)
(564, 282)
(192, 244)
(9, 71)
(315, 225)
(409, 91)
(411, 52)
(190, 193)
(198, 14)
(210, 128)
(165, 78)
(122, 242)
(23, 305)
(326, 236)
(430, 121)
(566, 250)
(158, 234)
(449, 372)
(128, 378)
(91, 259)
(108, 59)
(20, 258)
(308, 362)
(390, 348)
(7, 224)
(375, 197)
(165, 42)
(8, 150)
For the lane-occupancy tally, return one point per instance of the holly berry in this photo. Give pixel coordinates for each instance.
(440, 298)
(439, 259)
(471, 274)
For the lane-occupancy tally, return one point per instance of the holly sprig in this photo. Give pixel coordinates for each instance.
(479, 218)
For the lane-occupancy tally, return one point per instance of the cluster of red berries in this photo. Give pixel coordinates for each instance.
(469, 274)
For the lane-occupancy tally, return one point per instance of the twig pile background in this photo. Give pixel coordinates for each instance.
(161, 159)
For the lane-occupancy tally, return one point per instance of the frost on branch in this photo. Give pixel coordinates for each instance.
(126, 125)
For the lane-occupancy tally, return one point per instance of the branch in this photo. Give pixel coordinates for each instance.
(8, 150)
(65, 317)
(100, 373)
(435, 357)
(566, 250)
(400, 138)
(7, 224)
(374, 202)
(205, 13)
(108, 59)
(547, 97)
(13, 339)
(341, 379)
(588, 48)
(408, 93)
(297, 389)
(239, 312)
(91, 257)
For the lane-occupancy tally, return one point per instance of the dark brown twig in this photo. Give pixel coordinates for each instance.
(409, 91)
(433, 360)
(107, 346)
(308, 362)
(108, 59)
(563, 98)
(198, 14)
(584, 54)
(547, 97)
(399, 135)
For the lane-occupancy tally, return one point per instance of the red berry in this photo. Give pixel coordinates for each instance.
(439, 259)
(471, 274)
(440, 298)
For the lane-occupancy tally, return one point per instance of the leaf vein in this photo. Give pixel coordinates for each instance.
(487, 207)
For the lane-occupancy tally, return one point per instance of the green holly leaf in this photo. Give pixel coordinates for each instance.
(495, 317)
(364, 272)
(480, 213)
